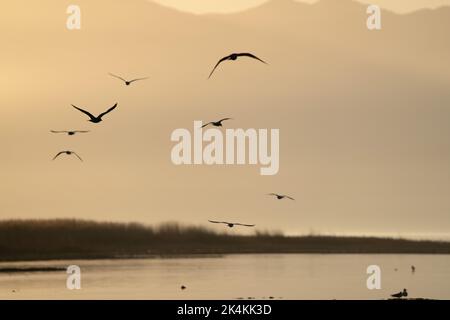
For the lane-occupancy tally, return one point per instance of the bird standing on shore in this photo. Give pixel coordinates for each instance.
(232, 224)
(93, 118)
(401, 294)
(233, 57)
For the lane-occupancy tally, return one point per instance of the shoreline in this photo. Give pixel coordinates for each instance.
(186, 255)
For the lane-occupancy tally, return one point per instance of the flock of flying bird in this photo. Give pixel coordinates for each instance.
(99, 118)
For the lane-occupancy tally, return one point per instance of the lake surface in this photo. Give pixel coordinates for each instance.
(281, 276)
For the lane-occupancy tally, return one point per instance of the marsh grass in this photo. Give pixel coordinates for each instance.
(82, 239)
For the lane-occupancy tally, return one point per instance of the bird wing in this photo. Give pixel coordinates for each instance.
(53, 131)
(224, 119)
(137, 79)
(245, 225)
(212, 221)
(217, 64)
(77, 156)
(81, 131)
(85, 112)
(107, 111)
(118, 77)
(272, 194)
(206, 124)
(58, 154)
(246, 54)
(289, 197)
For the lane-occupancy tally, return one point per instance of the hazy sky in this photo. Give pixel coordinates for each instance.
(206, 6)
(363, 115)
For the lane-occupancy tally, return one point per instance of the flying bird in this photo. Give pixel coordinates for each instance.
(233, 57)
(216, 123)
(127, 82)
(68, 152)
(70, 133)
(94, 119)
(280, 196)
(232, 224)
(401, 294)
(413, 269)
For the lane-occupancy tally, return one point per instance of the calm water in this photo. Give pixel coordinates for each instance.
(294, 276)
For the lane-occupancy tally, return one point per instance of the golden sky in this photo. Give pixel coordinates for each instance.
(363, 116)
(206, 6)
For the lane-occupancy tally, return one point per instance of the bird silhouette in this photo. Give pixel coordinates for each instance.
(233, 57)
(232, 224)
(401, 294)
(216, 123)
(127, 82)
(68, 152)
(70, 133)
(183, 287)
(93, 118)
(280, 196)
(413, 269)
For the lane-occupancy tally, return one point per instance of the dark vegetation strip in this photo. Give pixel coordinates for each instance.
(80, 239)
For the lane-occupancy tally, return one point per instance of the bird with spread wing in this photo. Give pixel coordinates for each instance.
(280, 196)
(233, 57)
(68, 152)
(95, 119)
(70, 133)
(232, 224)
(127, 82)
(216, 123)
